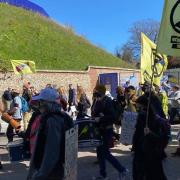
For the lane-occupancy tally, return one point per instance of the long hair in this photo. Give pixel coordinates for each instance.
(61, 90)
(120, 90)
(80, 92)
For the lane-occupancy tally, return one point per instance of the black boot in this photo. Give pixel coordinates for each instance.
(1, 165)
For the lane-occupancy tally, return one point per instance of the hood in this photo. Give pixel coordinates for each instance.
(53, 108)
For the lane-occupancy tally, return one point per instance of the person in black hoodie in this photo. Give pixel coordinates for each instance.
(147, 144)
(103, 113)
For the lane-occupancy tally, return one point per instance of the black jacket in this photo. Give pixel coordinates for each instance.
(104, 109)
(83, 106)
(48, 158)
(147, 145)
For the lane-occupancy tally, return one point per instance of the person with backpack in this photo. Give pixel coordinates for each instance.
(15, 112)
(47, 162)
(148, 143)
(103, 113)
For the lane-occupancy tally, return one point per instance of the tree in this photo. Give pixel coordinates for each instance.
(149, 27)
(125, 53)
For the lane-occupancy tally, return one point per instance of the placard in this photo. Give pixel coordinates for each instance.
(71, 154)
(128, 127)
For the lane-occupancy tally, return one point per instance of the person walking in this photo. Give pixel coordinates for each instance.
(15, 112)
(27, 94)
(72, 101)
(147, 144)
(121, 100)
(63, 98)
(83, 103)
(103, 113)
(47, 162)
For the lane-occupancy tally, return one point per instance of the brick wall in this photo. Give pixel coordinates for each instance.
(87, 79)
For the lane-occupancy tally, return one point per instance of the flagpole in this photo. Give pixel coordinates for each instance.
(150, 91)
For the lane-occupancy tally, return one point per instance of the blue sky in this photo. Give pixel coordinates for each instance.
(103, 22)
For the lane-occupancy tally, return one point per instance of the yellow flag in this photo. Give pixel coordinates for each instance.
(148, 58)
(169, 35)
(23, 66)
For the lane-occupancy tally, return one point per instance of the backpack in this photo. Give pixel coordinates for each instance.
(118, 112)
(25, 106)
(165, 130)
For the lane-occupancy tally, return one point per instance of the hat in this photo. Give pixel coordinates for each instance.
(47, 94)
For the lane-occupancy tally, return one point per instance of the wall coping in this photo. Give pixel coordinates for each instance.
(86, 71)
(83, 72)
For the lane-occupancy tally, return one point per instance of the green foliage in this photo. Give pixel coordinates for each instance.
(28, 36)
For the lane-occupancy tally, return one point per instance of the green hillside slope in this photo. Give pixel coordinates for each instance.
(25, 35)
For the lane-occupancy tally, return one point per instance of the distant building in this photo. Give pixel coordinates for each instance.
(25, 4)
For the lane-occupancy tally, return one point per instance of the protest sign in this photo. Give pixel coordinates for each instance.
(71, 153)
(128, 127)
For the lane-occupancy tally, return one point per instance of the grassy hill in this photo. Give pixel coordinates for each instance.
(25, 35)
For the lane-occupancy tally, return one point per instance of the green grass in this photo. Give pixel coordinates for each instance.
(28, 36)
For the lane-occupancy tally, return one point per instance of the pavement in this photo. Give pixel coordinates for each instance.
(86, 166)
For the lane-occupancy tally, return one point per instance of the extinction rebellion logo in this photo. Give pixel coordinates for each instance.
(175, 40)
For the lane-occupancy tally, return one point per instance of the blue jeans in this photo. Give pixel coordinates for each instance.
(103, 154)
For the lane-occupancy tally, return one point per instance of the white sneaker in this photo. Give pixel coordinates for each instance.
(100, 178)
(124, 174)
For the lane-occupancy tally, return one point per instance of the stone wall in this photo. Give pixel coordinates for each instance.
(87, 79)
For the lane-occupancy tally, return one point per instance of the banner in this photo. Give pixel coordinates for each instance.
(169, 35)
(23, 67)
(148, 59)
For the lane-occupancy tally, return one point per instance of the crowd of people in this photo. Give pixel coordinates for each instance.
(47, 114)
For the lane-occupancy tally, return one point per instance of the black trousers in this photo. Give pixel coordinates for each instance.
(9, 132)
